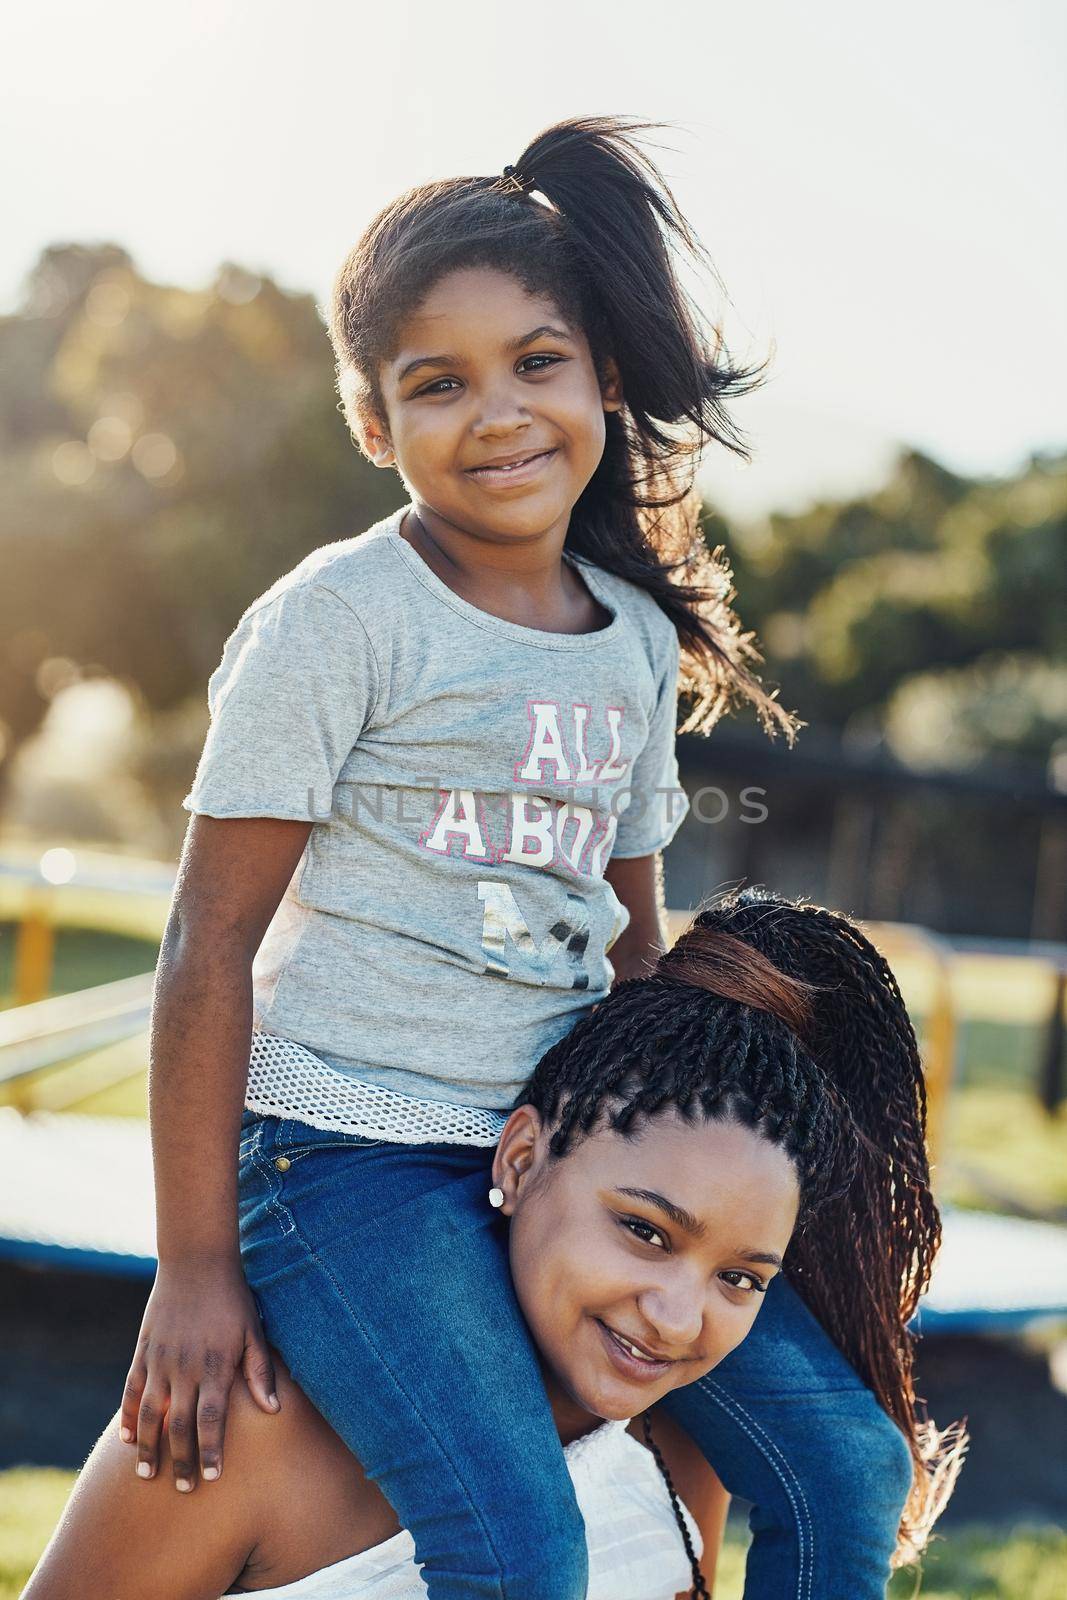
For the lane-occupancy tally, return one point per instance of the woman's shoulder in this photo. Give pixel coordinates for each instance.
(314, 1502)
(290, 1500)
(297, 1437)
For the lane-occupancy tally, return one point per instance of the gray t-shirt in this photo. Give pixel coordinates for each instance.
(469, 779)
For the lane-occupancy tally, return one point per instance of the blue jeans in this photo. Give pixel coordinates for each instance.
(381, 1273)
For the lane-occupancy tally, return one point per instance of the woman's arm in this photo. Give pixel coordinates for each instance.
(121, 1539)
(295, 1500)
(200, 1324)
(638, 883)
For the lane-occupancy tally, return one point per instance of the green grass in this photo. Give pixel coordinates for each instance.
(974, 1563)
(30, 1502)
(1002, 1144)
(968, 1564)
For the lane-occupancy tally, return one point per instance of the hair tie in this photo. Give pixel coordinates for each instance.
(516, 182)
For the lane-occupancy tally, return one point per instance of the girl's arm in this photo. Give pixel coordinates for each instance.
(638, 883)
(200, 1323)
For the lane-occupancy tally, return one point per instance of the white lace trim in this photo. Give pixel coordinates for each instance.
(285, 1079)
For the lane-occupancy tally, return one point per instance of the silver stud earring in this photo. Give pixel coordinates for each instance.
(496, 1197)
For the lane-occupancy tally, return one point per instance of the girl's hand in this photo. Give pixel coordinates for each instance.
(199, 1327)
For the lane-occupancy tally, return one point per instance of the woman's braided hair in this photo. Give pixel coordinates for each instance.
(699, 1590)
(784, 1017)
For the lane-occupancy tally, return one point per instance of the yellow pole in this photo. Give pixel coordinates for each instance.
(34, 951)
(939, 1060)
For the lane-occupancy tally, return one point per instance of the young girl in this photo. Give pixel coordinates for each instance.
(649, 1184)
(439, 774)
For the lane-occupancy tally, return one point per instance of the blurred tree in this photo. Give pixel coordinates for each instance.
(925, 580)
(998, 706)
(166, 454)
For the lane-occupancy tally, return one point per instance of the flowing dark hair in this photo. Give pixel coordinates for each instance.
(601, 242)
(784, 1017)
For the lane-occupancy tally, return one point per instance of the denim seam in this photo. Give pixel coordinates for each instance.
(305, 1147)
(342, 1296)
(766, 1445)
(282, 1216)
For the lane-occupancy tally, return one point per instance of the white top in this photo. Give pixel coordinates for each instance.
(635, 1546)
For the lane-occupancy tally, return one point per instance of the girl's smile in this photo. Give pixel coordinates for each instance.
(511, 471)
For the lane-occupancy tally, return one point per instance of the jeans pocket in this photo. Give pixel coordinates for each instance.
(285, 1191)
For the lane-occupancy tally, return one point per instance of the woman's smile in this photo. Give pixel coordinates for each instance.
(626, 1358)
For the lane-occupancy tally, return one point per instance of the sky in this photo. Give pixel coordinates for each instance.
(881, 189)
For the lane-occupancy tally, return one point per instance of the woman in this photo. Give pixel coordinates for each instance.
(760, 1091)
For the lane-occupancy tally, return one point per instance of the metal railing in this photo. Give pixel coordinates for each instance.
(48, 1033)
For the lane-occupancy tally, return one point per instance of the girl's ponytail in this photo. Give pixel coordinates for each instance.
(620, 220)
(604, 249)
(639, 515)
(864, 1264)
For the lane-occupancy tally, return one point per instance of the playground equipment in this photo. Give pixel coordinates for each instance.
(77, 1190)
